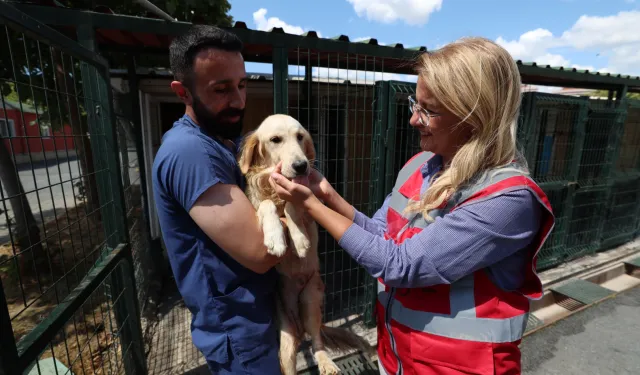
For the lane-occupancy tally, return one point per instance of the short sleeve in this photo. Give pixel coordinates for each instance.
(189, 165)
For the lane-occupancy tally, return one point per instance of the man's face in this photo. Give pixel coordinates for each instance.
(218, 91)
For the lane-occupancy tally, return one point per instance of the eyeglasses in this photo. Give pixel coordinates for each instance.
(423, 115)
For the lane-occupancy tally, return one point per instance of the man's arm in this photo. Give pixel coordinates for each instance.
(225, 214)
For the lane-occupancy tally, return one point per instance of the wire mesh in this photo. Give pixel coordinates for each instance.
(407, 139)
(91, 341)
(553, 124)
(623, 207)
(333, 95)
(586, 222)
(601, 142)
(629, 156)
(145, 270)
(553, 251)
(52, 227)
(57, 203)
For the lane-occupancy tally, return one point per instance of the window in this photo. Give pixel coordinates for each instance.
(7, 128)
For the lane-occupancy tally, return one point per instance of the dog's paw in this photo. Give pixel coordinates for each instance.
(325, 365)
(301, 244)
(275, 242)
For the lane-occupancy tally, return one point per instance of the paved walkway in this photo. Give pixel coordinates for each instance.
(603, 339)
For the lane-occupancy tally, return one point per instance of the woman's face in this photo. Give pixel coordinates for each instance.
(443, 136)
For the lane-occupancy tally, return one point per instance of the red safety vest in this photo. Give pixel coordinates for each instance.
(470, 326)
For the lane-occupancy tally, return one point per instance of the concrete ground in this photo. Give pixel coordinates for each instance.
(48, 185)
(603, 339)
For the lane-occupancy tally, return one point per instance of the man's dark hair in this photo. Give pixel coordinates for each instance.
(185, 47)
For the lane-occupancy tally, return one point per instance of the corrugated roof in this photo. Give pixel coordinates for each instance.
(138, 35)
(574, 70)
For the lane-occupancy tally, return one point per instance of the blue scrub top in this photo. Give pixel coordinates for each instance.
(233, 307)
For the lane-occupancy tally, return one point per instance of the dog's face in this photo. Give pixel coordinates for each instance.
(279, 138)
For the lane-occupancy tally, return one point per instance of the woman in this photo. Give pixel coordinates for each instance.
(454, 246)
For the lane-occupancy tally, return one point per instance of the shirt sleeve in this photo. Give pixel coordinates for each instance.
(468, 239)
(377, 223)
(190, 166)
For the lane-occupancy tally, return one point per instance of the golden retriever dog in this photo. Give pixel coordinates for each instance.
(301, 290)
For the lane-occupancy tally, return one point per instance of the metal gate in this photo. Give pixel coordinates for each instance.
(67, 290)
(395, 138)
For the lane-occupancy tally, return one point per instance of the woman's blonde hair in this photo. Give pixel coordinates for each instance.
(478, 81)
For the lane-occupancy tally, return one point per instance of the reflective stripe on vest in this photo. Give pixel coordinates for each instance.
(398, 202)
(462, 323)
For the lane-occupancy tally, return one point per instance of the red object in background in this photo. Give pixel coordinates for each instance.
(22, 133)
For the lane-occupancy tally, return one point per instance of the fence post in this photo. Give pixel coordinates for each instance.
(9, 353)
(280, 79)
(579, 133)
(378, 179)
(97, 85)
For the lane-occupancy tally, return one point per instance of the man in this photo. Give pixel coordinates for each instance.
(213, 239)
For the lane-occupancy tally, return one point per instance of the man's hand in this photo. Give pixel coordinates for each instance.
(225, 214)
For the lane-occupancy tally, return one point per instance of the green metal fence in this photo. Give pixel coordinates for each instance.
(629, 157)
(584, 232)
(67, 295)
(551, 135)
(561, 199)
(147, 267)
(333, 95)
(601, 143)
(622, 211)
(582, 152)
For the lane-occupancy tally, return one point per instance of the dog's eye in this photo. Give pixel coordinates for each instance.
(300, 136)
(276, 139)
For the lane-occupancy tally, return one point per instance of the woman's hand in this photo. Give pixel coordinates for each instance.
(290, 191)
(319, 185)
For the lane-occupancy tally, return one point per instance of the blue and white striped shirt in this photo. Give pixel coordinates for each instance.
(492, 234)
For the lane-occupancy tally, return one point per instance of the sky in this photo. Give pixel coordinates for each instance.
(599, 35)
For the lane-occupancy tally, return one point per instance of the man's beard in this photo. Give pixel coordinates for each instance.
(214, 124)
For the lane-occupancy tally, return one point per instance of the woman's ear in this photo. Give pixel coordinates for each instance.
(250, 153)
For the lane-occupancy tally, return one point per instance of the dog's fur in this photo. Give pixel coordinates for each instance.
(282, 138)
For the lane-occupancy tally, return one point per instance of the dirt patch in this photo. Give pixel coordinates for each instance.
(35, 284)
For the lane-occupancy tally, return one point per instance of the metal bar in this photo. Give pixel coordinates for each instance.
(579, 136)
(389, 135)
(27, 23)
(37, 340)
(9, 353)
(132, 306)
(280, 80)
(531, 74)
(154, 9)
(73, 17)
(621, 95)
(105, 96)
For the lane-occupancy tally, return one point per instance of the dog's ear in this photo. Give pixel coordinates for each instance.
(309, 148)
(250, 152)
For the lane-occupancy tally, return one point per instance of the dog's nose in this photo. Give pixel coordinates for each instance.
(300, 167)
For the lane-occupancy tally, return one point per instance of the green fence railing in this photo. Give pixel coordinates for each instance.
(67, 287)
